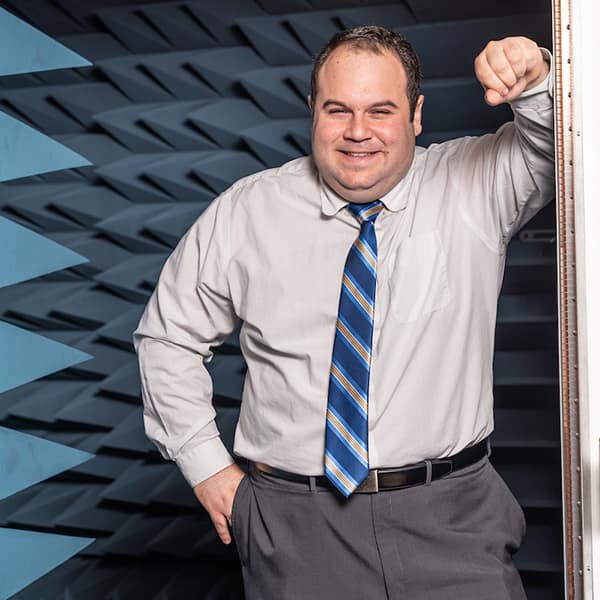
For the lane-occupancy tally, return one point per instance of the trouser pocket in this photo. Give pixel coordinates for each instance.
(516, 509)
(237, 514)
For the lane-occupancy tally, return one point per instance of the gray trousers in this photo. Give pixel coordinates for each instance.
(450, 540)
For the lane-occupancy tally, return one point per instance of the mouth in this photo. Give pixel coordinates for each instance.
(358, 156)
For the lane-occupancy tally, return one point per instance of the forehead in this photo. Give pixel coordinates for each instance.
(350, 66)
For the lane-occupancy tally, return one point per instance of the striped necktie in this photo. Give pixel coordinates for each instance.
(346, 437)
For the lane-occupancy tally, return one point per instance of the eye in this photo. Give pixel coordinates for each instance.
(381, 111)
(336, 110)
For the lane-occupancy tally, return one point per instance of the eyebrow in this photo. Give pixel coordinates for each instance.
(382, 103)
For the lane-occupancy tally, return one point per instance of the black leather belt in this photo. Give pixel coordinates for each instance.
(395, 478)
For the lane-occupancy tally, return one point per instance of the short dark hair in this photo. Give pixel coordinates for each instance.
(374, 39)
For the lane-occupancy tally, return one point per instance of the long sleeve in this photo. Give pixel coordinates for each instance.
(188, 312)
(505, 178)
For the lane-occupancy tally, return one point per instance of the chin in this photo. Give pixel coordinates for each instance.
(358, 188)
(356, 180)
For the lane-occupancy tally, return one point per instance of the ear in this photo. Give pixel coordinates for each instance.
(309, 100)
(417, 127)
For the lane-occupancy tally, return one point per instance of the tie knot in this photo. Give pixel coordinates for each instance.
(366, 212)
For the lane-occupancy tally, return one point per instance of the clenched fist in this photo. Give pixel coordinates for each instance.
(508, 67)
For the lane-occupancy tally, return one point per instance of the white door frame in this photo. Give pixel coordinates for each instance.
(577, 95)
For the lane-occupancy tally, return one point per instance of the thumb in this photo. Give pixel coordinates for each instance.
(493, 98)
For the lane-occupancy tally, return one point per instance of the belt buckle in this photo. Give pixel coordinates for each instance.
(370, 484)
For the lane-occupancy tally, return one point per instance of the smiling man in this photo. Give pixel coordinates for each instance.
(366, 277)
(364, 126)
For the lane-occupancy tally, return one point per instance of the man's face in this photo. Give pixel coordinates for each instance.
(363, 139)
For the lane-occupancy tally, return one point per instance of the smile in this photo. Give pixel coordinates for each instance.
(358, 154)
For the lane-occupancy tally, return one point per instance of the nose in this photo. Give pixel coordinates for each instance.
(358, 128)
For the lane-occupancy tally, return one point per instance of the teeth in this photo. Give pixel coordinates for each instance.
(359, 153)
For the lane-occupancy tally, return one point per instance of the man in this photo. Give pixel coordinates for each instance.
(367, 278)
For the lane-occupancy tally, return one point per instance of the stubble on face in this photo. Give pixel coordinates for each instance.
(363, 136)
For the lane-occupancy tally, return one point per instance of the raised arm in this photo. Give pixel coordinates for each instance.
(504, 179)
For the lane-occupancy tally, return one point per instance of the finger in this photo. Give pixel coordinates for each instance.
(493, 98)
(220, 523)
(535, 64)
(516, 90)
(487, 77)
(502, 68)
(532, 53)
(517, 56)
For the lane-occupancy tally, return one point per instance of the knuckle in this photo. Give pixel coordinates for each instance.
(502, 69)
(505, 72)
(513, 52)
(221, 528)
(525, 41)
(216, 517)
(483, 71)
(496, 61)
(490, 49)
(502, 62)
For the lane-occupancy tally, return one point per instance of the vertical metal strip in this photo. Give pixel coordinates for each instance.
(567, 306)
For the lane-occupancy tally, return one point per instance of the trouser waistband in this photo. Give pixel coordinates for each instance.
(422, 473)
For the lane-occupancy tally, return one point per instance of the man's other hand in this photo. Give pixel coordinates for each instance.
(216, 495)
(508, 67)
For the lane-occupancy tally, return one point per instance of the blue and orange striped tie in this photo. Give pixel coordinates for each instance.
(346, 437)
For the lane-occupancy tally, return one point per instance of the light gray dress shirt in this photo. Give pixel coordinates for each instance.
(271, 251)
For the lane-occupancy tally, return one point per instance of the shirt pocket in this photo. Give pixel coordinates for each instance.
(418, 279)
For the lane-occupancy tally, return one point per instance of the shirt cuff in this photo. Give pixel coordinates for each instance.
(547, 85)
(203, 460)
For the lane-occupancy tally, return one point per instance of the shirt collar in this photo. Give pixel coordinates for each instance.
(395, 200)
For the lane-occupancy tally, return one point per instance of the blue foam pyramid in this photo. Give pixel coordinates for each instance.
(25, 356)
(29, 459)
(36, 51)
(26, 555)
(27, 254)
(25, 151)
